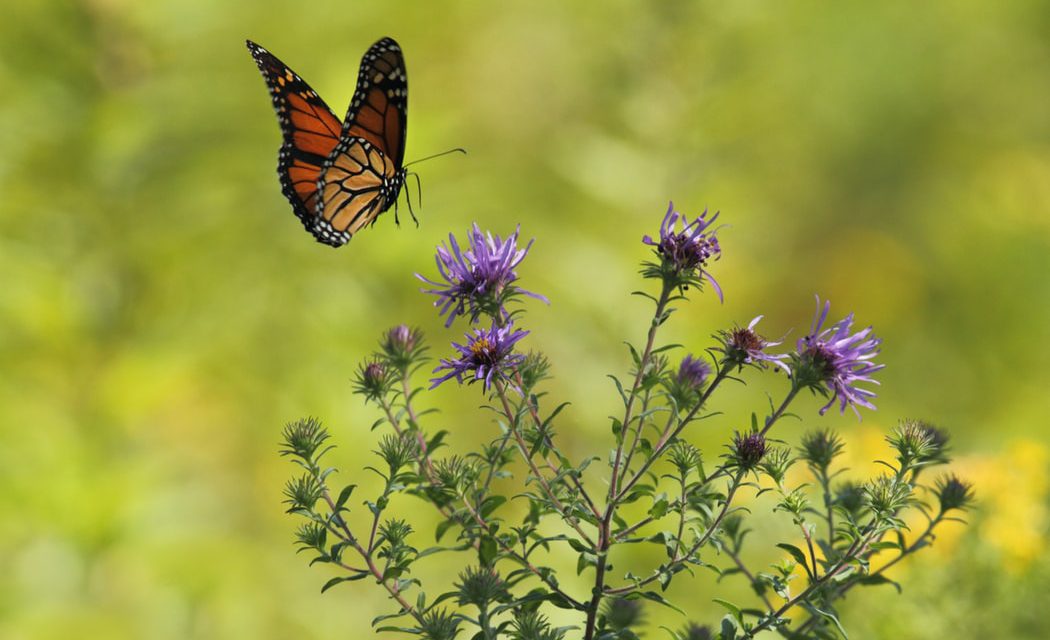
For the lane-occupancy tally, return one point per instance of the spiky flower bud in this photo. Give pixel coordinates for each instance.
(685, 458)
(480, 586)
(532, 625)
(623, 613)
(953, 493)
(694, 631)
(850, 498)
(302, 493)
(886, 495)
(534, 368)
(748, 450)
(402, 345)
(776, 464)
(373, 380)
(439, 624)
(312, 535)
(303, 438)
(398, 451)
(918, 443)
(819, 448)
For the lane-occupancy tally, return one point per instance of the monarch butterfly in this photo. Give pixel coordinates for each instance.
(340, 177)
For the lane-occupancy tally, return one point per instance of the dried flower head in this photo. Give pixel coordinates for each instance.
(479, 280)
(835, 360)
(487, 356)
(743, 345)
(685, 252)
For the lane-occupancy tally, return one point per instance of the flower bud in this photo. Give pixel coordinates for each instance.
(953, 493)
(748, 449)
(819, 448)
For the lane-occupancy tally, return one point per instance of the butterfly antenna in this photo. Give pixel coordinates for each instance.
(437, 155)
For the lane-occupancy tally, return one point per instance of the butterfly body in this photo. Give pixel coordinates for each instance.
(340, 176)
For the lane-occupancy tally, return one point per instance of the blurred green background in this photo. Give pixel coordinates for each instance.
(162, 313)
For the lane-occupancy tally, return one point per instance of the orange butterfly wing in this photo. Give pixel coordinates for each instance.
(358, 182)
(340, 177)
(363, 176)
(378, 112)
(310, 129)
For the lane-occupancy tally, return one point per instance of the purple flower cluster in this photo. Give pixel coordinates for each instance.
(684, 253)
(487, 356)
(480, 279)
(693, 373)
(838, 359)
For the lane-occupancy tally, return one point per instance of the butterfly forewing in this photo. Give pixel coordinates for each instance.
(378, 111)
(309, 128)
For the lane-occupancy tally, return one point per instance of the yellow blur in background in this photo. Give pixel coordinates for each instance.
(162, 313)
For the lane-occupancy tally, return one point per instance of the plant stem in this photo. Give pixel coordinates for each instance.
(700, 542)
(512, 425)
(661, 306)
(735, 557)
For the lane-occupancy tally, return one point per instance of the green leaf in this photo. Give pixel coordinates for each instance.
(655, 597)
(490, 504)
(344, 495)
(334, 581)
(878, 579)
(487, 551)
(442, 528)
(728, 628)
(733, 610)
(795, 552)
(659, 508)
(831, 616)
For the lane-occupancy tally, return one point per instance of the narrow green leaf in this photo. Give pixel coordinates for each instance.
(795, 552)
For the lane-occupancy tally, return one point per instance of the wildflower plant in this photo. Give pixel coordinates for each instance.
(517, 506)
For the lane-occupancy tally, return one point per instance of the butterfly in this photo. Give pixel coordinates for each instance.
(340, 176)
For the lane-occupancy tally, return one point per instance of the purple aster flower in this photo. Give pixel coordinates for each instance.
(480, 279)
(684, 253)
(745, 346)
(688, 383)
(693, 372)
(839, 360)
(487, 355)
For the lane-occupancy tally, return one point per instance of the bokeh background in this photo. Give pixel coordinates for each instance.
(162, 314)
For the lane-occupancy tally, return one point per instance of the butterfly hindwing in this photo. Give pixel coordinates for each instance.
(358, 182)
